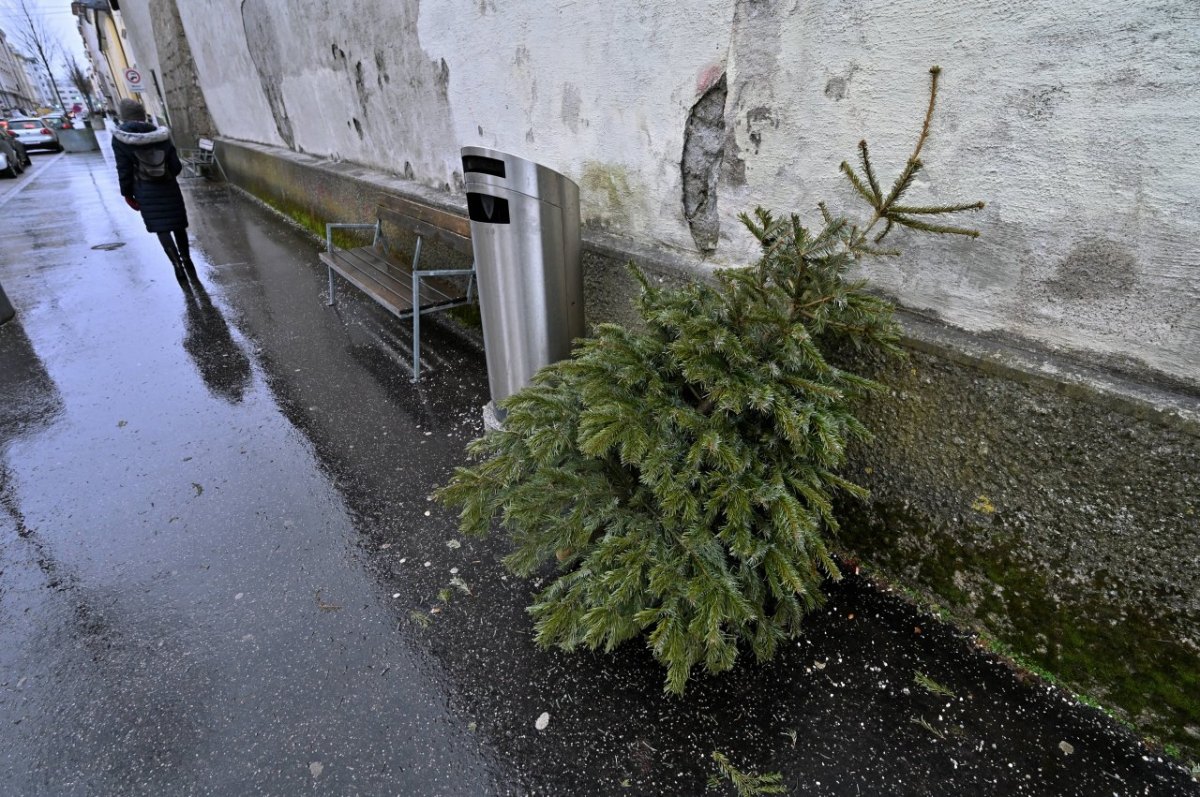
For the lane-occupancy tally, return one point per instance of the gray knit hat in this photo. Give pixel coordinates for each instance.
(131, 111)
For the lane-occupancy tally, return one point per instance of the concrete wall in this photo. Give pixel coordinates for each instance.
(1073, 120)
(1057, 511)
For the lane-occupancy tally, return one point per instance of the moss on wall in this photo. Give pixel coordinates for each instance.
(1092, 635)
(1050, 522)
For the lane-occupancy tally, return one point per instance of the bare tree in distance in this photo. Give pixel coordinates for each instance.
(33, 35)
(80, 80)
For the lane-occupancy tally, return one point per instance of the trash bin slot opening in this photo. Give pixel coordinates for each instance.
(487, 209)
(478, 163)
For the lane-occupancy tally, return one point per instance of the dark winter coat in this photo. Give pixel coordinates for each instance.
(161, 200)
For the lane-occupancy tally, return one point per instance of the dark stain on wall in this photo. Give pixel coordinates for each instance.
(1039, 103)
(703, 148)
(381, 75)
(758, 119)
(268, 61)
(1095, 268)
(755, 44)
(442, 78)
(836, 88)
(360, 87)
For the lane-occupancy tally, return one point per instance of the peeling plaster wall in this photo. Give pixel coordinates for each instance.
(599, 91)
(228, 76)
(1075, 121)
(348, 81)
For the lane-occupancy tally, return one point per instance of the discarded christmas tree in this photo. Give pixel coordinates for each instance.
(683, 475)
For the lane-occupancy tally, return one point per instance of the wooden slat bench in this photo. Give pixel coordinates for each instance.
(197, 162)
(393, 283)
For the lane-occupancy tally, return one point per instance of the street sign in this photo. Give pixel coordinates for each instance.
(133, 80)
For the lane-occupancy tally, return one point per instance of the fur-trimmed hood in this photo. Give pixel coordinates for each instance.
(139, 133)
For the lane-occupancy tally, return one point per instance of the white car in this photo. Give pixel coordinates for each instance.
(34, 134)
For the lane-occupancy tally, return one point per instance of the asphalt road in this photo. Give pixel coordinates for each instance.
(221, 573)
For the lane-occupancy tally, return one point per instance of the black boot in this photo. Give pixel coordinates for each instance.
(173, 254)
(177, 262)
(190, 268)
(185, 253)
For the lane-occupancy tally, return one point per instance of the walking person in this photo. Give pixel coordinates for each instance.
(147, 165)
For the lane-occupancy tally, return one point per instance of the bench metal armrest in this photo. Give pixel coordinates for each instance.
(421, 274)
(330, 227)
(446, 272)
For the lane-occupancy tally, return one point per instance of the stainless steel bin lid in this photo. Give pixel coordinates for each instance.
(485, 168)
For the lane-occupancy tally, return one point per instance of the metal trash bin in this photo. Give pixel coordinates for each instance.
(525, 234)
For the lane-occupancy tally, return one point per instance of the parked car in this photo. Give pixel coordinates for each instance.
(35, 135)
(19, 146)
(56, 122)
(10, 161)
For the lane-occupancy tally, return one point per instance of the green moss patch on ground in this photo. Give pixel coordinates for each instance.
(1115, 648)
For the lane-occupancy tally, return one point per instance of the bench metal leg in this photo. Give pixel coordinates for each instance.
(330, 248)
(416, 301)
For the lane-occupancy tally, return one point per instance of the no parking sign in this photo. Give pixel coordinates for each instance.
(133, 80)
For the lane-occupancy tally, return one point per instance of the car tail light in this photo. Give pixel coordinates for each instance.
(47, 132)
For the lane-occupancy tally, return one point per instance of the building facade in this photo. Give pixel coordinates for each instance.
(17, 94)
(106, 41)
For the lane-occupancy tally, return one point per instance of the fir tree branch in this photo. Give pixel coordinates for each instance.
(911, 167)
(934, 73)
(917, 224)
(825, 213)
(875, 252)
(857, 182)
(902, 184)
(816, 302)
(747, 784)
(931, 209)
(866, 162)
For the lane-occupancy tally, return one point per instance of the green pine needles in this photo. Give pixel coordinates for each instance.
(682, 476)
(746, 784)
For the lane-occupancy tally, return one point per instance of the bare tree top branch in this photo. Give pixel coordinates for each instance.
(32, 33)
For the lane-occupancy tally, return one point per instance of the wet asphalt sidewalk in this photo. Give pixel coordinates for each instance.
(220, 572)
